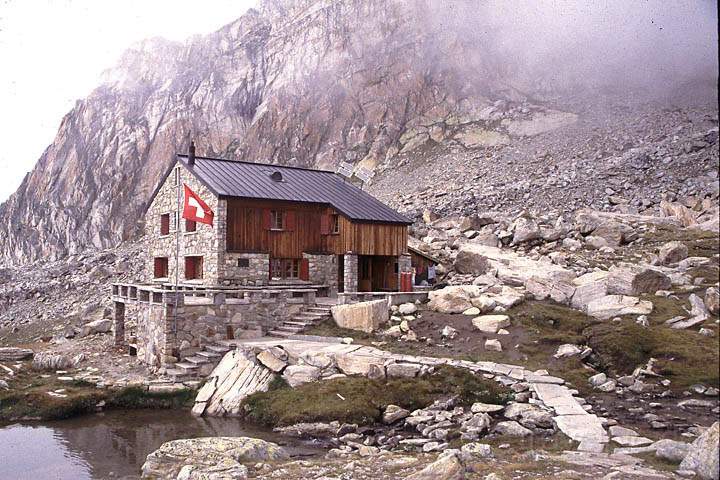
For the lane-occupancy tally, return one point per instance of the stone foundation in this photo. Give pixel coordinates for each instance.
(323, 270)
(351, 272)
(255, 273)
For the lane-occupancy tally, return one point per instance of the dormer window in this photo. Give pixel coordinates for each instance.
(276, 176)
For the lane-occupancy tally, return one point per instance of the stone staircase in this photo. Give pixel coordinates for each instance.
(202, 363)
(308, 317)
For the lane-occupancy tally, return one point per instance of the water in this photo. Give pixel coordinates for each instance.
(110, 445)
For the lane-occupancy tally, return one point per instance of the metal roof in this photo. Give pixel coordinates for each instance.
(233, 178)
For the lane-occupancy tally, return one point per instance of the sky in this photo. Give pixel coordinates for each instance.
(53, 52)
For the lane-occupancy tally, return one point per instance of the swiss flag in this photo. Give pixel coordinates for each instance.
(195, 209)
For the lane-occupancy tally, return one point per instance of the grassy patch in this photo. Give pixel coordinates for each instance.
(363, 400)
(685, 357)
(699, 243)
(551, 323)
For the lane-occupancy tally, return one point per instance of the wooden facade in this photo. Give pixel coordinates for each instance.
(307, 228)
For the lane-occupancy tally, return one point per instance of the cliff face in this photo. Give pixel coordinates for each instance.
(299, 82)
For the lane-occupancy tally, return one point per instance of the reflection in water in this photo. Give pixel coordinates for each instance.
(109, 445)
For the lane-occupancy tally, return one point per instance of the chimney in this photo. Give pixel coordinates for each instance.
(191, 154)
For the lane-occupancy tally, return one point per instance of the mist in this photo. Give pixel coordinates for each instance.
(643, 45)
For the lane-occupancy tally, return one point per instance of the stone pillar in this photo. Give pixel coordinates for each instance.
(171, 318)
(220, 244)
(350, 272)
(404, 266)
(119, 324)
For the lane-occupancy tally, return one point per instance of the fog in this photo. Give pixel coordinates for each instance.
(649, 44)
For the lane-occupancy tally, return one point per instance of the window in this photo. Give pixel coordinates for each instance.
(277, 220)
(284, 268)
(190, 225)
(334, 223)
(243, 262)
(161, 267)
(174, 221)
(165, 224)
(193, 268)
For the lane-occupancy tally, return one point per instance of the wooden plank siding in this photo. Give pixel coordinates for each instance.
(248, 232)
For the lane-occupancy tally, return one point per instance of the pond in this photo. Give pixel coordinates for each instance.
(110, 445)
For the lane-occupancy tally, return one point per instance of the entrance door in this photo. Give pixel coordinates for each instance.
(341, 273)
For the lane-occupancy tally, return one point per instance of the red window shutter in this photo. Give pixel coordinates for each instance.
(158, 268)
(190, 225)
(304, 269)
(266, 219)
(189, 268)
(324, 224)
(164, 224)
(290, 220)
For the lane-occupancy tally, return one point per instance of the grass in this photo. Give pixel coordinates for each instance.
(29, 398)
(551, 323)
(361, 400)
(699, 243)
(684, 356)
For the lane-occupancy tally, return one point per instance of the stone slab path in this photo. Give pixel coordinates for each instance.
(570, 416)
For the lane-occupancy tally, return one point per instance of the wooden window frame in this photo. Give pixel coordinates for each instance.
(277, 220)
(190, 226)
(165, 224)
(334, 224)
(197, 269)
(164, 266)
(288, 268)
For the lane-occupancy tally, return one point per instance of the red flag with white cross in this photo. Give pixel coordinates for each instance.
(196, 209)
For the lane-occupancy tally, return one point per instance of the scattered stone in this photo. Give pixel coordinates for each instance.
(567, 350)
(671, 450)
(493, 345)
(393, 413)
(511, 429)
(479, 407)
(702, 456)
(632, 441)
(672, 252)
(14, 354)
(491, 323)
(446, 467)
(448, 332)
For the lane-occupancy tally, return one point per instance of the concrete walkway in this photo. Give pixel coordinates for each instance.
(569, 414)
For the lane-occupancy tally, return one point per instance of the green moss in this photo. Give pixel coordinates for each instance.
(699, 243)
(361, 400)
(138, 397)
(328, 328)
(685, 357)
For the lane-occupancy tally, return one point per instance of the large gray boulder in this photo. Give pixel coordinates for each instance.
(628, 279)
(363, 316)
(446, 467)
(702, 458)
(671, 450)
(14, 354)
(672, 252)
(104, 325)
(617, 305)
(209, 457)
(454, 299)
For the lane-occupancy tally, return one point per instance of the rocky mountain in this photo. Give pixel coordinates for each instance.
(301, 82)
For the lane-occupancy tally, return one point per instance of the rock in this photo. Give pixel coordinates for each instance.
(567, 350)
(448, 332)
(672, 252)
(491, 323)
(702, 456)
(103, 325)
(364, 316)
(616, 305)
(271, 361)
(446, 467)
(4, 385)
(598, 379)
(296, 375)
(698, 313)
(51, 361)
(483, 303)
(408, 370)
(712, 300)
(608, 386)
(671, 450)
(618, 431)
(393, 413)
(525, 230)
(209, 457)
(480, 407)
(632, 441)
(559, 289)
(493, 345)
(511, 429)
(636, 279)
(571, 244)
(529, 415)
(595, 243)
(476, 450)
(310, 429)
(407, 308)
(14, 354)
(454, 299)
(472, 311)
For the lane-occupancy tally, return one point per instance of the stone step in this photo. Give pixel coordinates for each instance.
(221, 349)
(186, 366)
(177, 374)
(313, 318)
(298, 323)
(197, 360)
(314, 314)
(318, 309)
(208, 355)
(289, 328)
(279, 333)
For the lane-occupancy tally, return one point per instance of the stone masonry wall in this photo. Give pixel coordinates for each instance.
(256, 273)
(351, 272)
(205, 241)
(323, 270)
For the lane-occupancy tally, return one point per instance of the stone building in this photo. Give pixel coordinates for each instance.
(274, 225)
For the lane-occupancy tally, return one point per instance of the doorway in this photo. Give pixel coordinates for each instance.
(377, 273)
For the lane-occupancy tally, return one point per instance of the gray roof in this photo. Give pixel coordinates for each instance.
(232, 178)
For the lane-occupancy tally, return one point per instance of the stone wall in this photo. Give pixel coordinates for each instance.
(323, 270)
(350, 265)
(152, 345)
(205, 241)
(256, 273)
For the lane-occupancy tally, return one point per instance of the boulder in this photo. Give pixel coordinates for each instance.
(52, 361)
(470, 260)
(557, 289)
(702, 456)
(712, 300)
(529, 415)
(567, 350)
(103, 325)
(454, 299)
(272, 360)
(511, 429)
(393, 413)
(407, 308)
(493, 345)
(364, 316)
(524, 230)
(476, 450)
(446, 467)
(14, 354)
(296, 375)
(617, 305)
(686, 216)
(671, 450)
(589, 287)
(698, 312)
(672, 252)
(636, 279)
(491, 323)
(209, 457)
(483, 303)
(408, 370)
